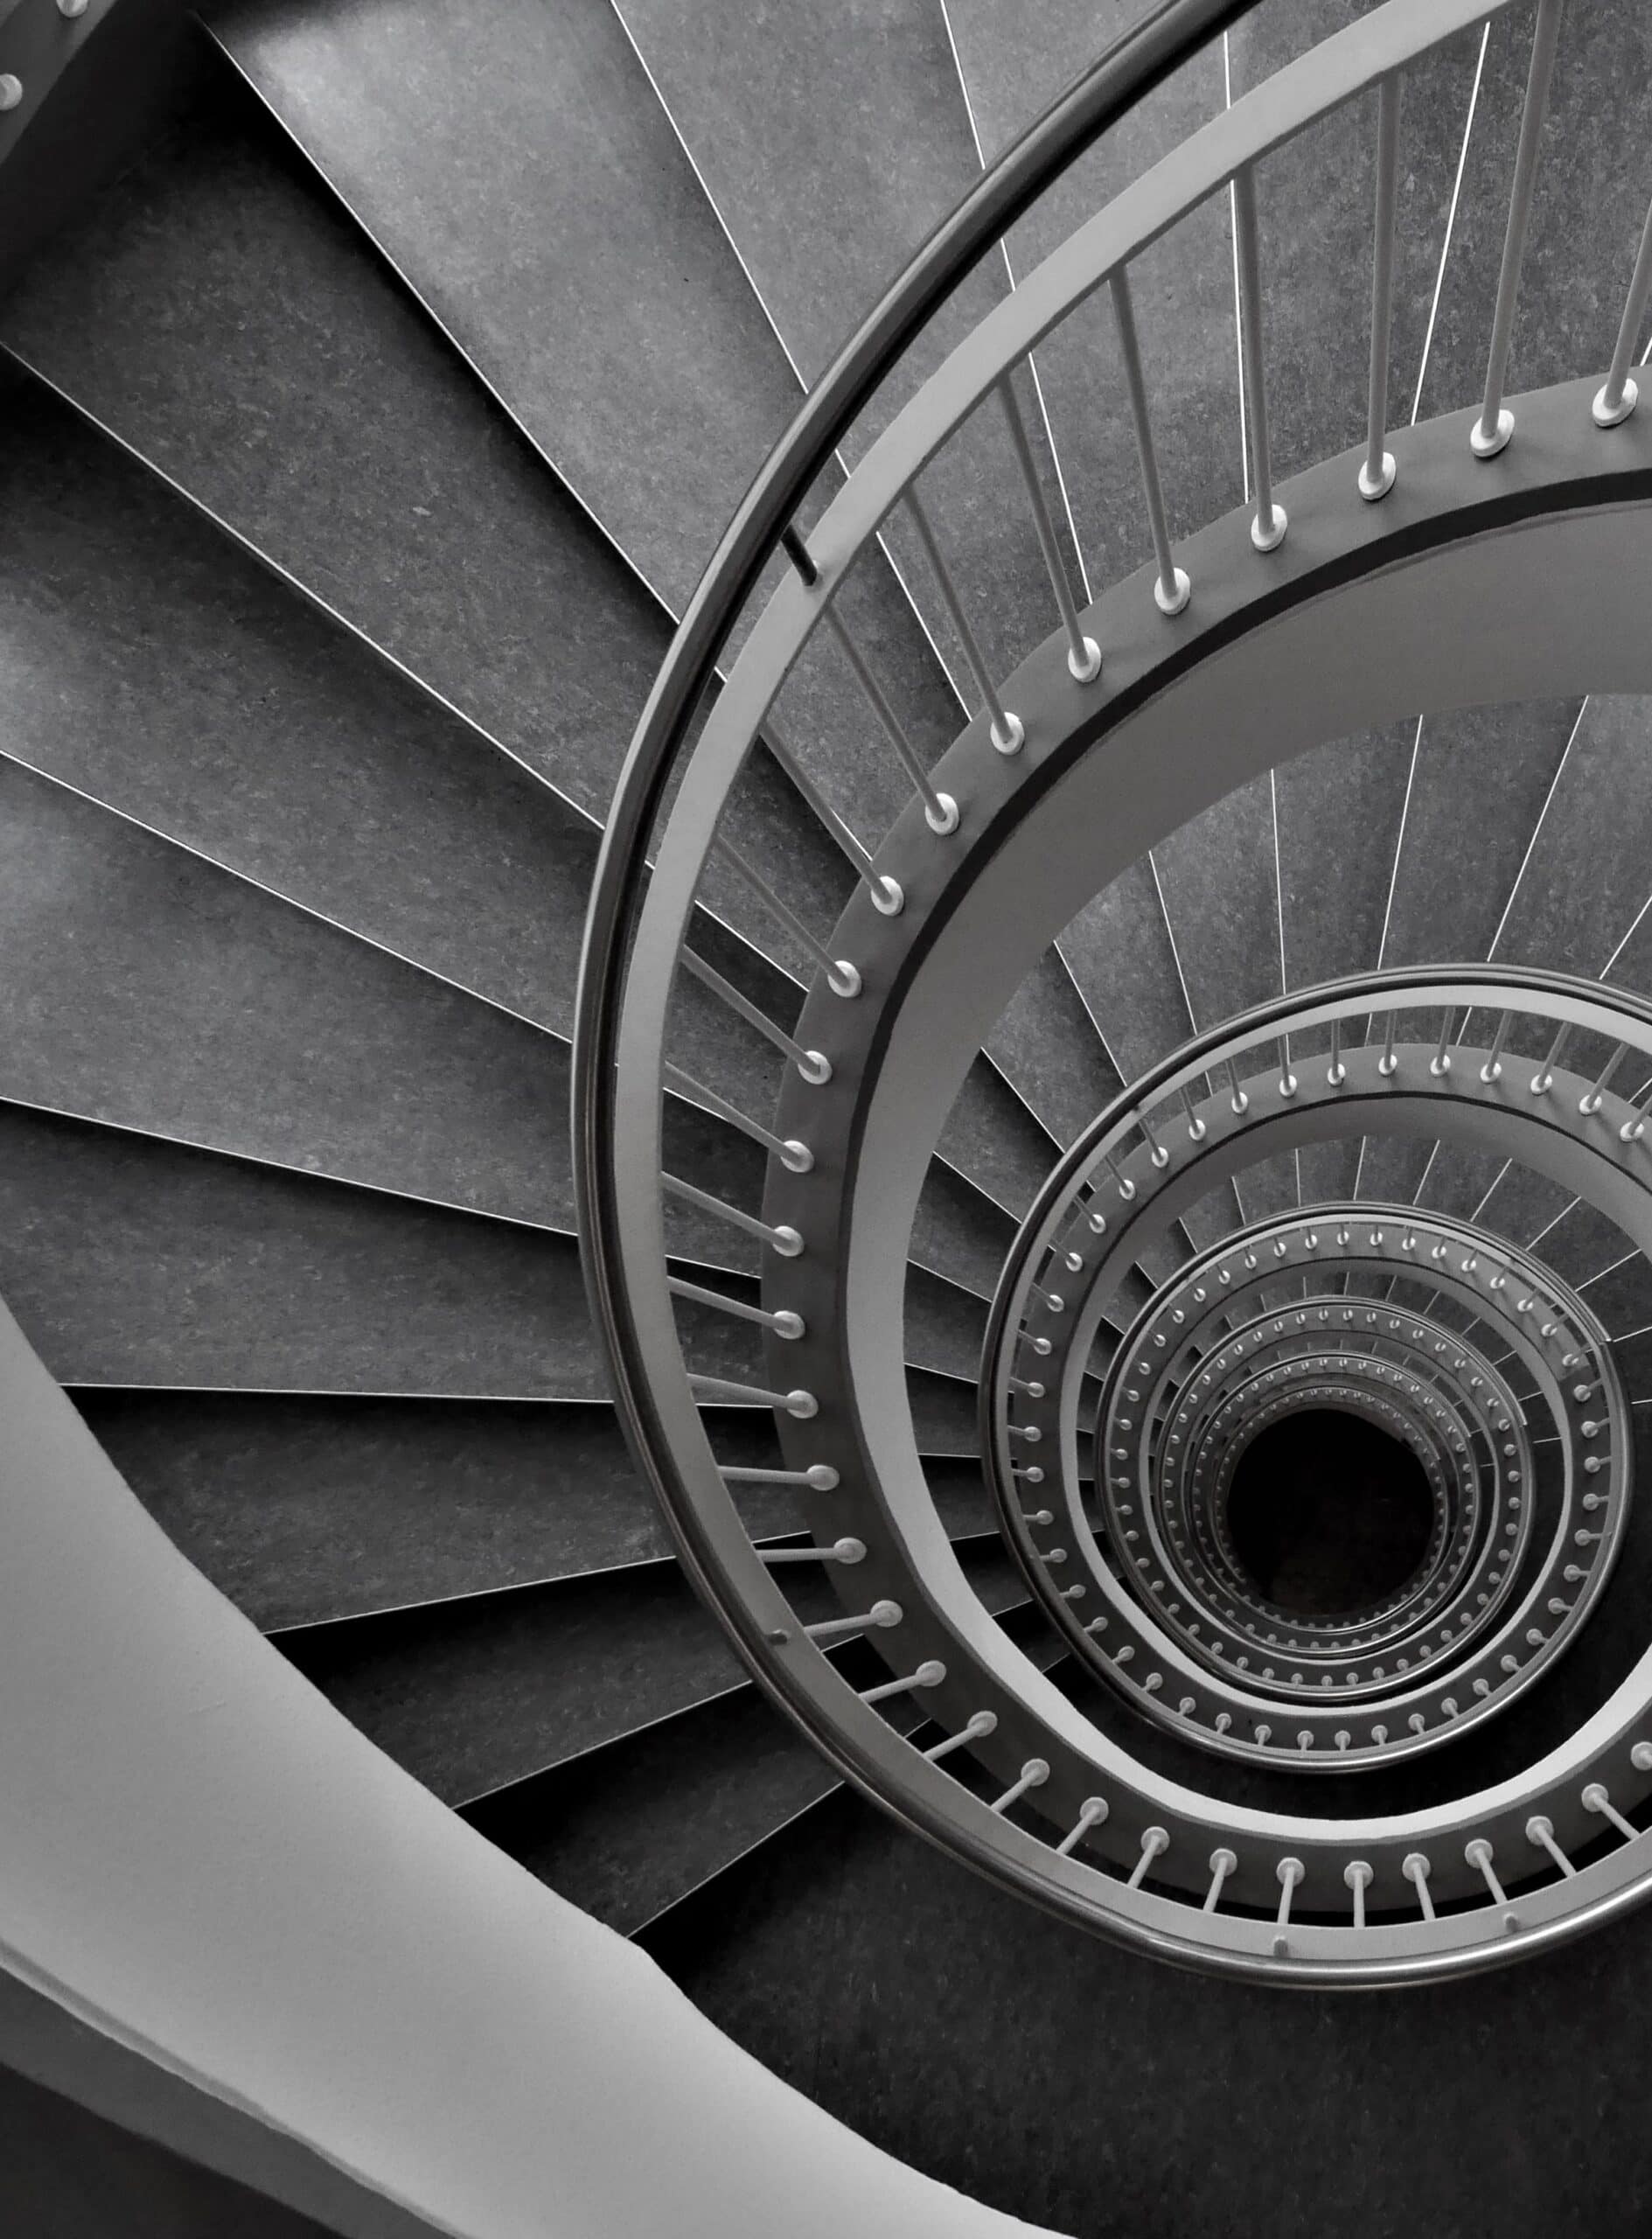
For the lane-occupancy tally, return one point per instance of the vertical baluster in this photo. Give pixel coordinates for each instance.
(1492, 1069)
(1357, 1876)
(841, 975)
(1540, 1833)
(1008, 735)
(1091, 1812)
(1543, 1079)
(1440, 1063)
(1033, 1774)
(1478, 1854)
(1591, 1104)
(1154, 1843)
(1171, 590)
(1223, 1862)
(1269, 524)
(885, 892)
(940, 809)
(1615, 399)
(1084, 654)
(1415, 1869)
(1377, 475)
(1496, 423)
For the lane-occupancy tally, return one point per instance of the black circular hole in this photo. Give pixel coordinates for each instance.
(1328, 1514)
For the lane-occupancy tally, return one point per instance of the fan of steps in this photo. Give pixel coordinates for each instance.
(366, 438)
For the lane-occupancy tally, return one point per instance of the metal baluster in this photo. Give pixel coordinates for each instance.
(842, 1550)
(1615, 399)
(1590, 1104)
(1496, 423)
(1543, 1079)
(1337, 1073)
(784, 1239)
(940, 809)
(1358, 1877)
(1091, 1812)
(1223, 1862)
(886, 893)
(1540, 1831)
(1034, 1773)
(1269, 524)
(1290, 1872)
(1287, 1078)
(784, 1322)
(881, 1615)
(796, 1157)
(1154, 1843)
(820, 1477)
(1479, 1855)
(1084, 654)
(717, 1391)
(1196, 1128)
(1634, 1127)
(1172, 590)
(1492, 1069)
(1440, 1063)
(1239, 1101)
(929, 1674)
(1415, 1869)
(814, 1066)
(1388, 1064)
(1377, 475)
(983, 1723)
(1007, 732)
(1594, 1798)
(841, 976)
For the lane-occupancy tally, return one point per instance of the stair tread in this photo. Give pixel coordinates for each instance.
(1585, 882)
(1568, 309)
(130, 1260)
(652, 1818)
(453, 148)
(220, 316)
(158, 667)
(302, 1508)
(625, 338)
(748, 112)
(1484, 771)
(468, 1695)
(190, 1003)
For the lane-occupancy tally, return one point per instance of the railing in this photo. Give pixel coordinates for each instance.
(1061, 1806)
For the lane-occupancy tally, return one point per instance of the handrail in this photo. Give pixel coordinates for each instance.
(1136, 63)
(992, 1704)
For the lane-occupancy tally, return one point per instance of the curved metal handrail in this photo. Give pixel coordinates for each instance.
(1136, 63)
(618, 1244)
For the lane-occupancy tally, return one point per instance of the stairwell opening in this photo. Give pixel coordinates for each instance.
(1329, 1514)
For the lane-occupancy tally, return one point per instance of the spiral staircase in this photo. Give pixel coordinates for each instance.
(1116, 971)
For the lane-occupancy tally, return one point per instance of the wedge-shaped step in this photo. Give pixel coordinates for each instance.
(470, 1694)
(222, 317)
(154, 990)
(152, 663)
(133, 1262)
(622, 336)
(304, 1508)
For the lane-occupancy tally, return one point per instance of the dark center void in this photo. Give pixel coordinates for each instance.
(1329, 1514)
